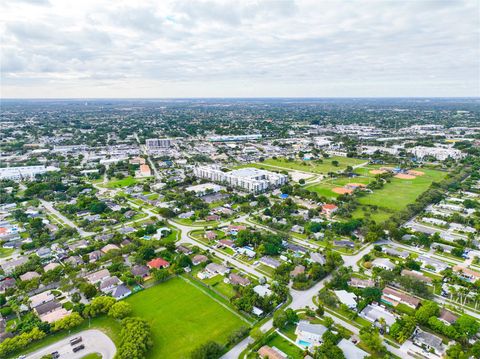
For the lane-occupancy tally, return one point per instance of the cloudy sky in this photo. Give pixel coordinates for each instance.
(318, 48)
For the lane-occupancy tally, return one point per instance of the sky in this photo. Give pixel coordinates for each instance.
(167, 49)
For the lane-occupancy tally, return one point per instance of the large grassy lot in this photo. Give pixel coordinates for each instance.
(396, 195)
(182, 317)
(308, 166)
(119, 183)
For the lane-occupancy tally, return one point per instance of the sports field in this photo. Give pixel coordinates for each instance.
(311, 166)
(182, 317)
(396, 195)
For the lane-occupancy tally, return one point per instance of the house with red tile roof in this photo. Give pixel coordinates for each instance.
(158, 263)
(329, 209)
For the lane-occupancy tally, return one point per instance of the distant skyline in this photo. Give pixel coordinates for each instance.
(199, 49)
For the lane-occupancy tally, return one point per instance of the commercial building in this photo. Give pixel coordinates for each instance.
(158, 143)
(24, 173)
(250, 179)
(238, 138)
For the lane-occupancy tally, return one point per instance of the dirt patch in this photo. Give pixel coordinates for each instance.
(415, 173)
(341, 190)
(377, 172)
(404, 176)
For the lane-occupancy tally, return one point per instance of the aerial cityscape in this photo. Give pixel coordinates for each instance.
(157, 205)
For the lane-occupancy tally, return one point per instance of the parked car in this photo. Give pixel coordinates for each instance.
(80, 347)
(75, 340)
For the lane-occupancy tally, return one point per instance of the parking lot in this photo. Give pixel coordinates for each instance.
(94, 341)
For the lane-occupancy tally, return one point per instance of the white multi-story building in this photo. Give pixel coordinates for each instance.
(24, 172)
(440, 153)
(250, 179)
(157, 143)
(235, 138)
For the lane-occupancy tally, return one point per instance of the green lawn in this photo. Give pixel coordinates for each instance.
(182, 317)
(307, 166)
(285, 346)
(124, 182)
(396, 195)
(5, 252)
(92, 356)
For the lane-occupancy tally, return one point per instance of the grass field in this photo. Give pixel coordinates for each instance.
(182, 317)
(119, 183)
(396, 195)
(307, 166)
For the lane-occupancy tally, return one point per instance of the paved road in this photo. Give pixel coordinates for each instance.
(302, 299)
(94, 340)
(49, 207)
(185, 238)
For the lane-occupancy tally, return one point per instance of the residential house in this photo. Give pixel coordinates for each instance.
(270, 262)
(298, 270)
(395, 253)
(120, 292)
(361, 283)
(184, 250)
(329, 209)
(317, 258)
(235, 279)
(429, 263)
(50, 266)
(347, 298)
(383, 263)
(351, 351)
(210, 235)
(428, 341)
(41, 298)
(466, 273)
(344, 244)
(108, 284)
(447, 316)
(95, 256)
(266, 352)
(158, 263)
(416, 275)
(394, 297)
(262, 290)
(373, 313)
(215, 268)
(29, 276)
(110, 247)
(226, 243)
(140, 271)
(199, 258)
(98, 276)
(6, 284)
(10, 266)
(309, 335)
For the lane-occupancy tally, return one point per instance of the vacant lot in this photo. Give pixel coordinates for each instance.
(182, 317)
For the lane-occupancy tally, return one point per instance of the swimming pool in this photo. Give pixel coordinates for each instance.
(304, 343)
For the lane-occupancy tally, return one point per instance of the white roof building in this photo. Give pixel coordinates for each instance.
(347, 298)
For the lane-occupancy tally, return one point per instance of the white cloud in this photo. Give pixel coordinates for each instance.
(192, 48)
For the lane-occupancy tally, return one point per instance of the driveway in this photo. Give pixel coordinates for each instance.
(94, 340)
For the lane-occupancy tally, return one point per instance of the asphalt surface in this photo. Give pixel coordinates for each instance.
(94, 340)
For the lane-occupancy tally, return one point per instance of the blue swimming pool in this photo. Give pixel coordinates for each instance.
(304, 343)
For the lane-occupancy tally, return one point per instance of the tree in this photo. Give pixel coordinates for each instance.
(209, 350)
(70, 321)
(120, 310)
(371, 338)
(427, 310)
(88, 290)
(99, 305)
(135, 339)
(160, 275)
(467, 325)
